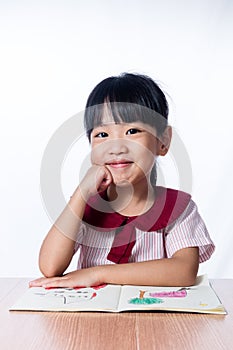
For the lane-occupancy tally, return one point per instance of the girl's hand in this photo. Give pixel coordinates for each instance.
(97, 179)
(81, 278)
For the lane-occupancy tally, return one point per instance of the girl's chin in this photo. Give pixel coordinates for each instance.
(122, 183)
(127, 182)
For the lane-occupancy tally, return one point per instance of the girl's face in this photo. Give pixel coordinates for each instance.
(128, 150)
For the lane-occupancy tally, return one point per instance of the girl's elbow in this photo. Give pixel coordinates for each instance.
(189, 277)
(48, 271)
(188, 281)
(186, 275)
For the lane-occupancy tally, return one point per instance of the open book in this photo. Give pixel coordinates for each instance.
(199, 298)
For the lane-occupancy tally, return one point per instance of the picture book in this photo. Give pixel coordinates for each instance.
(199, 298)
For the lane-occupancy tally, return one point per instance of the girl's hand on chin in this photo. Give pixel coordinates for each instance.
(81, 278)
(97, 179)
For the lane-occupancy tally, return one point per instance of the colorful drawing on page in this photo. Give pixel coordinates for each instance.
(69, 295)
(99, 287)
(93, 287)
(144, 300)
(180, 293)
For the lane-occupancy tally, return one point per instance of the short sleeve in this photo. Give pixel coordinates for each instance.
(189, 230)
(80, 237)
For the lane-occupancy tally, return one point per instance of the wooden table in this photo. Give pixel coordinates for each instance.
(99, 331)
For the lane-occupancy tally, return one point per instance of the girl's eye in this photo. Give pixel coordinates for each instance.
(101, 134)
(132, 131)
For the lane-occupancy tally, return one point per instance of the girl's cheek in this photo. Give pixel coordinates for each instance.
(97, 155)
(93, 157)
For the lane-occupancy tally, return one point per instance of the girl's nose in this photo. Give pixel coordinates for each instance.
(117, 147)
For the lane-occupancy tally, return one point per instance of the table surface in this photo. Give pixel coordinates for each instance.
(99, 330)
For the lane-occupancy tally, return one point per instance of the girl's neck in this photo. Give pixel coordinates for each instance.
(131, 200)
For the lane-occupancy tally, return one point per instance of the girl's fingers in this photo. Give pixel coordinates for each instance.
(106, 181)
(43, 281)
(37, 282)
(59, 283)
(104, 184)
(55, 284)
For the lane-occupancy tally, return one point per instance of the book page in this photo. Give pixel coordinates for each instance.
(198, 298)
(101, 298)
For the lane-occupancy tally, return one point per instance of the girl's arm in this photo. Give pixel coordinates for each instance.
(179, 270)
(58, 246)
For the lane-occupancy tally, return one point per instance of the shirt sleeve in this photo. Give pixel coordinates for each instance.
(80, 237)
(189, 230)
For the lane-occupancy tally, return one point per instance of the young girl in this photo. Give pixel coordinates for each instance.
(126, 229)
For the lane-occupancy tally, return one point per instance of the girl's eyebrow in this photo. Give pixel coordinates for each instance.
(104, 125)
(98, 128)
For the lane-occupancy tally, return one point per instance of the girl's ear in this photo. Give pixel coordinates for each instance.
(164, 141)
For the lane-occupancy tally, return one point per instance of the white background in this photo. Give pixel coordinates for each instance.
(54, 52)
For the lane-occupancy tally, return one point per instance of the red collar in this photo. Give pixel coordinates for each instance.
(168, 206)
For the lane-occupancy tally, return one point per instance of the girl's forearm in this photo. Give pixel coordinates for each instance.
(58, 246)
(71, 217)
(176, 271)
(55, 254)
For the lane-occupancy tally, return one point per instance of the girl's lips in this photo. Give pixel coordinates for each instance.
(119, 164)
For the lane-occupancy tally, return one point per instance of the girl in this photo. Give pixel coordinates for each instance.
(126, 229)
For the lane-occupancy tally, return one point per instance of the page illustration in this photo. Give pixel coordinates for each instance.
(197, 298)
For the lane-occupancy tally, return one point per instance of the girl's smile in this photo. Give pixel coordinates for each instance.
(120, 163)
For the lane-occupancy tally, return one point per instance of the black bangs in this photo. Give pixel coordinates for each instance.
(122, 112)
(127, 98)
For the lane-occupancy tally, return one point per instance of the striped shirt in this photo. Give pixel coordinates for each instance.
(162, 231)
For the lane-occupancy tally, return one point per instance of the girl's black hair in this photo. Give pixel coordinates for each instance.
(130, 97)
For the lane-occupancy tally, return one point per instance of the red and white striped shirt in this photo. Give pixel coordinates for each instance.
(173, 223)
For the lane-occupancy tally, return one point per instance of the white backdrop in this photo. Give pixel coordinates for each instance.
(54, 52)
